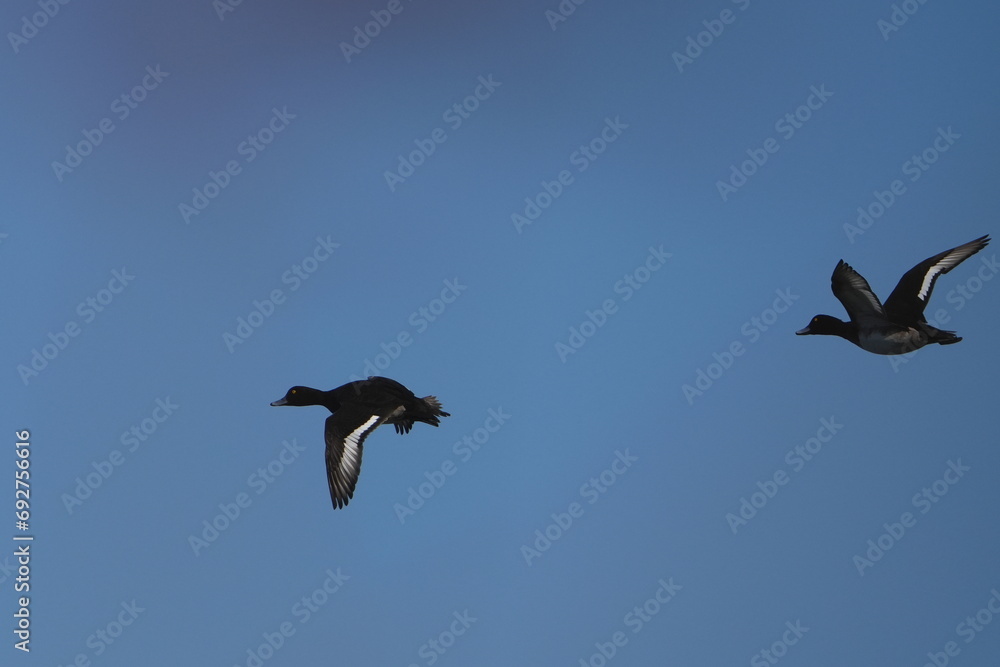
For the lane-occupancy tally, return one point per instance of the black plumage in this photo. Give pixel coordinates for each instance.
(358, 409)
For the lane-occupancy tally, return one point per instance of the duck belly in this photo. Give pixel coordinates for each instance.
(897, 341)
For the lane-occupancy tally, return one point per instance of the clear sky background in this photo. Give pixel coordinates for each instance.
(638, 234)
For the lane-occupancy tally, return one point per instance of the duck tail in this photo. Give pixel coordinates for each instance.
(946, 338)
(942, 337)
(435, 410)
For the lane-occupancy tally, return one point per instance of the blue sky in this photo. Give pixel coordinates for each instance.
(552, 225)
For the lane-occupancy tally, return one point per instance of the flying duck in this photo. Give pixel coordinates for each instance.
(898, 326)
(358, 409)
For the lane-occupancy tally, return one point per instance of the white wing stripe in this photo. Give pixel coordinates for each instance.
(351, 455)
(351, 441)
(928, 279)
(945, 264)
(954, 257)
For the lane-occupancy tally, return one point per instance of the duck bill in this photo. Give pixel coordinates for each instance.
(280, 401)
(800, 332)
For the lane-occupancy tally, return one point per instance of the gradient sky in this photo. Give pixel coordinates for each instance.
(552, 225)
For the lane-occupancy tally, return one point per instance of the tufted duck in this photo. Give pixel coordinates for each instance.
(898, 326)
(358, 409)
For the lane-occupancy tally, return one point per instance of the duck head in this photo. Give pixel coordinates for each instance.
(302, 396)
(826, 325)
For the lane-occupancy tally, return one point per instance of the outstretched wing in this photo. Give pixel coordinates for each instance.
(346, 431)
(908, 300)
(860, 302)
